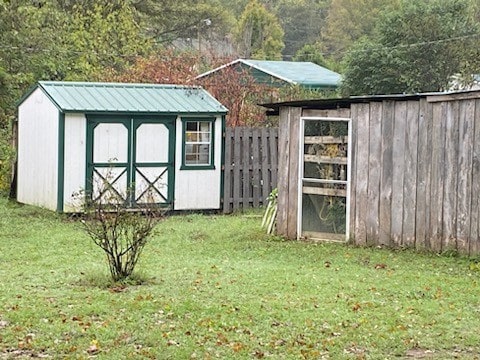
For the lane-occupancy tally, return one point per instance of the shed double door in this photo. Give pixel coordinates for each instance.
(130, 160)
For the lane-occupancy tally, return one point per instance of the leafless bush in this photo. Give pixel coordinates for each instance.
(121, 232)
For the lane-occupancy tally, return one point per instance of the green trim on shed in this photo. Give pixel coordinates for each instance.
(222, 163)
(61, 162)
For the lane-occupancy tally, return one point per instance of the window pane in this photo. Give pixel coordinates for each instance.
(205, 126)
(192, 136)
(204, 137)
(204, 154)
(192, 126)
(198, 142)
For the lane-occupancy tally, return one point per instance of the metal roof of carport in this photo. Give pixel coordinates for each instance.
(129, 98)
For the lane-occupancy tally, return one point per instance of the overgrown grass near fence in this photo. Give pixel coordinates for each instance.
(218, 287)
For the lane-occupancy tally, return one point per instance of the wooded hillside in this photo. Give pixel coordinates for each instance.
(380, 46)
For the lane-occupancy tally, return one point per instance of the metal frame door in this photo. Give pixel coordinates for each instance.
(315, 186)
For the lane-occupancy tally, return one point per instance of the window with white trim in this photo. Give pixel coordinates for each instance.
(198, 144)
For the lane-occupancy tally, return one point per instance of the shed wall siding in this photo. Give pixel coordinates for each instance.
(415, 169)
(37, 174)
(75, 160)
(197, 189)
(428, 159)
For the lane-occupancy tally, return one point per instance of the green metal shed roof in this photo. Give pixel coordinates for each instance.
(131, 98)
(305, 74)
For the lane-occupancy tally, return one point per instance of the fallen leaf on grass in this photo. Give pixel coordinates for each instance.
(237, 346)
(356, 307)
(94, 348)
(380, 266)
(118, 289)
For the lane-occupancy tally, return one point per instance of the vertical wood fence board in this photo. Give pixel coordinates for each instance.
(437, 176)
(256, 161)
(374, 173)
(227, 184)
(410, 174)
(450, 184)
(294, 150)
(423, 175)
(237, 168)
(398, 154)
(352, 143)
(362, 173)
(246, 163)
(385, 215)
(265, 156)
(464, 202)
(474, 245)
(283, 172)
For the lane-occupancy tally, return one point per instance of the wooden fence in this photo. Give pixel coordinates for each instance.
(250, 167)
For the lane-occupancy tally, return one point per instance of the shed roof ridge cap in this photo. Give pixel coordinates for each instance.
(117, 84)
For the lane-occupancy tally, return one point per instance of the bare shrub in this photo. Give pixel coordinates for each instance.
(121, 232)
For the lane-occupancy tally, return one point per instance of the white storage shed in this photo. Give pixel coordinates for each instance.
(147, 143)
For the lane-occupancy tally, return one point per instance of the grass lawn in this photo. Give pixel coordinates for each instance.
(217, 287)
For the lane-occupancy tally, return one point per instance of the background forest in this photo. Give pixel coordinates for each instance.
(379, 46)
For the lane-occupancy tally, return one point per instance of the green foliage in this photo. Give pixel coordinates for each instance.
(350, 20)
(7, 157)
(302, 22)
(168, 20)
(31, 36)
(259, 34)
(103, 37)
(312, 53)
(417, 48)
(297, 92)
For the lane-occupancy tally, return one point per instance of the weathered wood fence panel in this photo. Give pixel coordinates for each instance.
(250, 172)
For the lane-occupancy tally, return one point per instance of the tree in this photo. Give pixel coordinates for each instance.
(348, 21)
(31, 34)
(31, 38)
(312, 53)
(258, 33)
(301, 20)
(105, 36)
(239, 92)
(417, 48)
(165, 67)
(169, 20)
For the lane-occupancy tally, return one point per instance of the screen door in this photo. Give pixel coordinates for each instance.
(324, 178)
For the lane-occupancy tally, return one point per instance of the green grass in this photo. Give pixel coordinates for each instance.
(211, 286)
